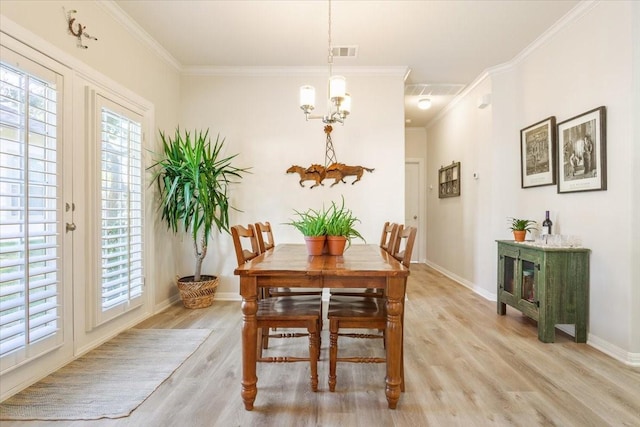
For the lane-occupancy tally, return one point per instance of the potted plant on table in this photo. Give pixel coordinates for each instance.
(340, 228)
(313, 226)
(193, 177)
(520, 228)
(335, 226)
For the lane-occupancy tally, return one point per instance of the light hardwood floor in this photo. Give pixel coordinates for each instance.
(464, 366)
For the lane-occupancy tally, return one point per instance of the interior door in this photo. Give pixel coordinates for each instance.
(412, 202)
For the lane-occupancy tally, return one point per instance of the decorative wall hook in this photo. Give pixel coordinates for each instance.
(79, 31)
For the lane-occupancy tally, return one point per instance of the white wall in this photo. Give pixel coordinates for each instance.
(457, 244)
(258, 114)
(634, 301)
(586, 63)
(416, 142)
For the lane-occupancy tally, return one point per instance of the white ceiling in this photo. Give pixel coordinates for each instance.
(441, 42)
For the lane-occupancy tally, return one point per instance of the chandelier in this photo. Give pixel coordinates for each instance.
(339, 99)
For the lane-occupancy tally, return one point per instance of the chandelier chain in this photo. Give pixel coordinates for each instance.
(330, 52)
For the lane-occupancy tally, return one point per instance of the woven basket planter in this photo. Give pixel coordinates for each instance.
(197, 294)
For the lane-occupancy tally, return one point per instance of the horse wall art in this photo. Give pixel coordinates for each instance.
(335, 171)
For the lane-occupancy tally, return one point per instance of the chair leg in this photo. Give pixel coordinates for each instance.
(319, 337)
(314, 354)
(333, 353)
(265, 338)
(259, 343)
(402, 373)
(402, 353)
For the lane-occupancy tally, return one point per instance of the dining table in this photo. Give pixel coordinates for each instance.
(288, 265)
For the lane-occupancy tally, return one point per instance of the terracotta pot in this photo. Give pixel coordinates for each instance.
(518, 235)
(315, 244)
(336, 244)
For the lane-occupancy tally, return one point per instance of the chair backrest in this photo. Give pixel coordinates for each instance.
(263, 229)
(389, 233)
(243, 239)
(403, 246)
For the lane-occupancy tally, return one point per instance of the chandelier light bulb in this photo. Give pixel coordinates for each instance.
(337, 87)
(345, 107)
(307, 97)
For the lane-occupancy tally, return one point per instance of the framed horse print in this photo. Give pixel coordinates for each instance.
(538, 153)
(582, 154)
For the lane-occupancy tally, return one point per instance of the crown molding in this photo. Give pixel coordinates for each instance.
(262, 71)
(138, 32)
(574, 14)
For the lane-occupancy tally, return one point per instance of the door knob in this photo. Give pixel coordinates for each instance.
(415, 217)
(71, 227)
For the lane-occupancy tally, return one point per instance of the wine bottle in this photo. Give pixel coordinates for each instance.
(546, 224)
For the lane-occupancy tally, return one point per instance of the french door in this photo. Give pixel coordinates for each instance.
(35, 244)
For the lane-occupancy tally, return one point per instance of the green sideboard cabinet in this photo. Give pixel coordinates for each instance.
(547, 284)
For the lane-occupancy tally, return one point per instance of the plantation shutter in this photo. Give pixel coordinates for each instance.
(121, 201)
(30, 210)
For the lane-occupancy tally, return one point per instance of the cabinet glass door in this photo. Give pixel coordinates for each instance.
(528, 280)
(509, 274)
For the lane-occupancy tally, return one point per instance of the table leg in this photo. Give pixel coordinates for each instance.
(249, 292)
(395, 307)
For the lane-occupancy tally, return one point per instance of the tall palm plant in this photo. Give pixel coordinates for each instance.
(193, 178)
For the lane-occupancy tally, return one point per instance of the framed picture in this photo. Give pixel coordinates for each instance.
(449, 180)
(582, 143)
(537, 153)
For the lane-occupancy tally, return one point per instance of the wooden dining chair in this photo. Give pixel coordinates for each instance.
(281, 312)
(403, 244)
(387, 242)
(265, 236)
(266, 242)
(389, 233)
(241, 234)
(364, 312)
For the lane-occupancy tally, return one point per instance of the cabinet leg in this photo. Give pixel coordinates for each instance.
(581, 332)
(546, 331)
(502, 308)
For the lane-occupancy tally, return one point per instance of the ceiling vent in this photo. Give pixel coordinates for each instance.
(344, 51)
(443, 89)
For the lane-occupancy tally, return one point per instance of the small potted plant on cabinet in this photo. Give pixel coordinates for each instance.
(193, 177)
(520, 228)
(340, 228)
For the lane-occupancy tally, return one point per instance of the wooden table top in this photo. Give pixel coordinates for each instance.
(292, 259)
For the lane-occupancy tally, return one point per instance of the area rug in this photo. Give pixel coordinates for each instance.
(109, 381)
